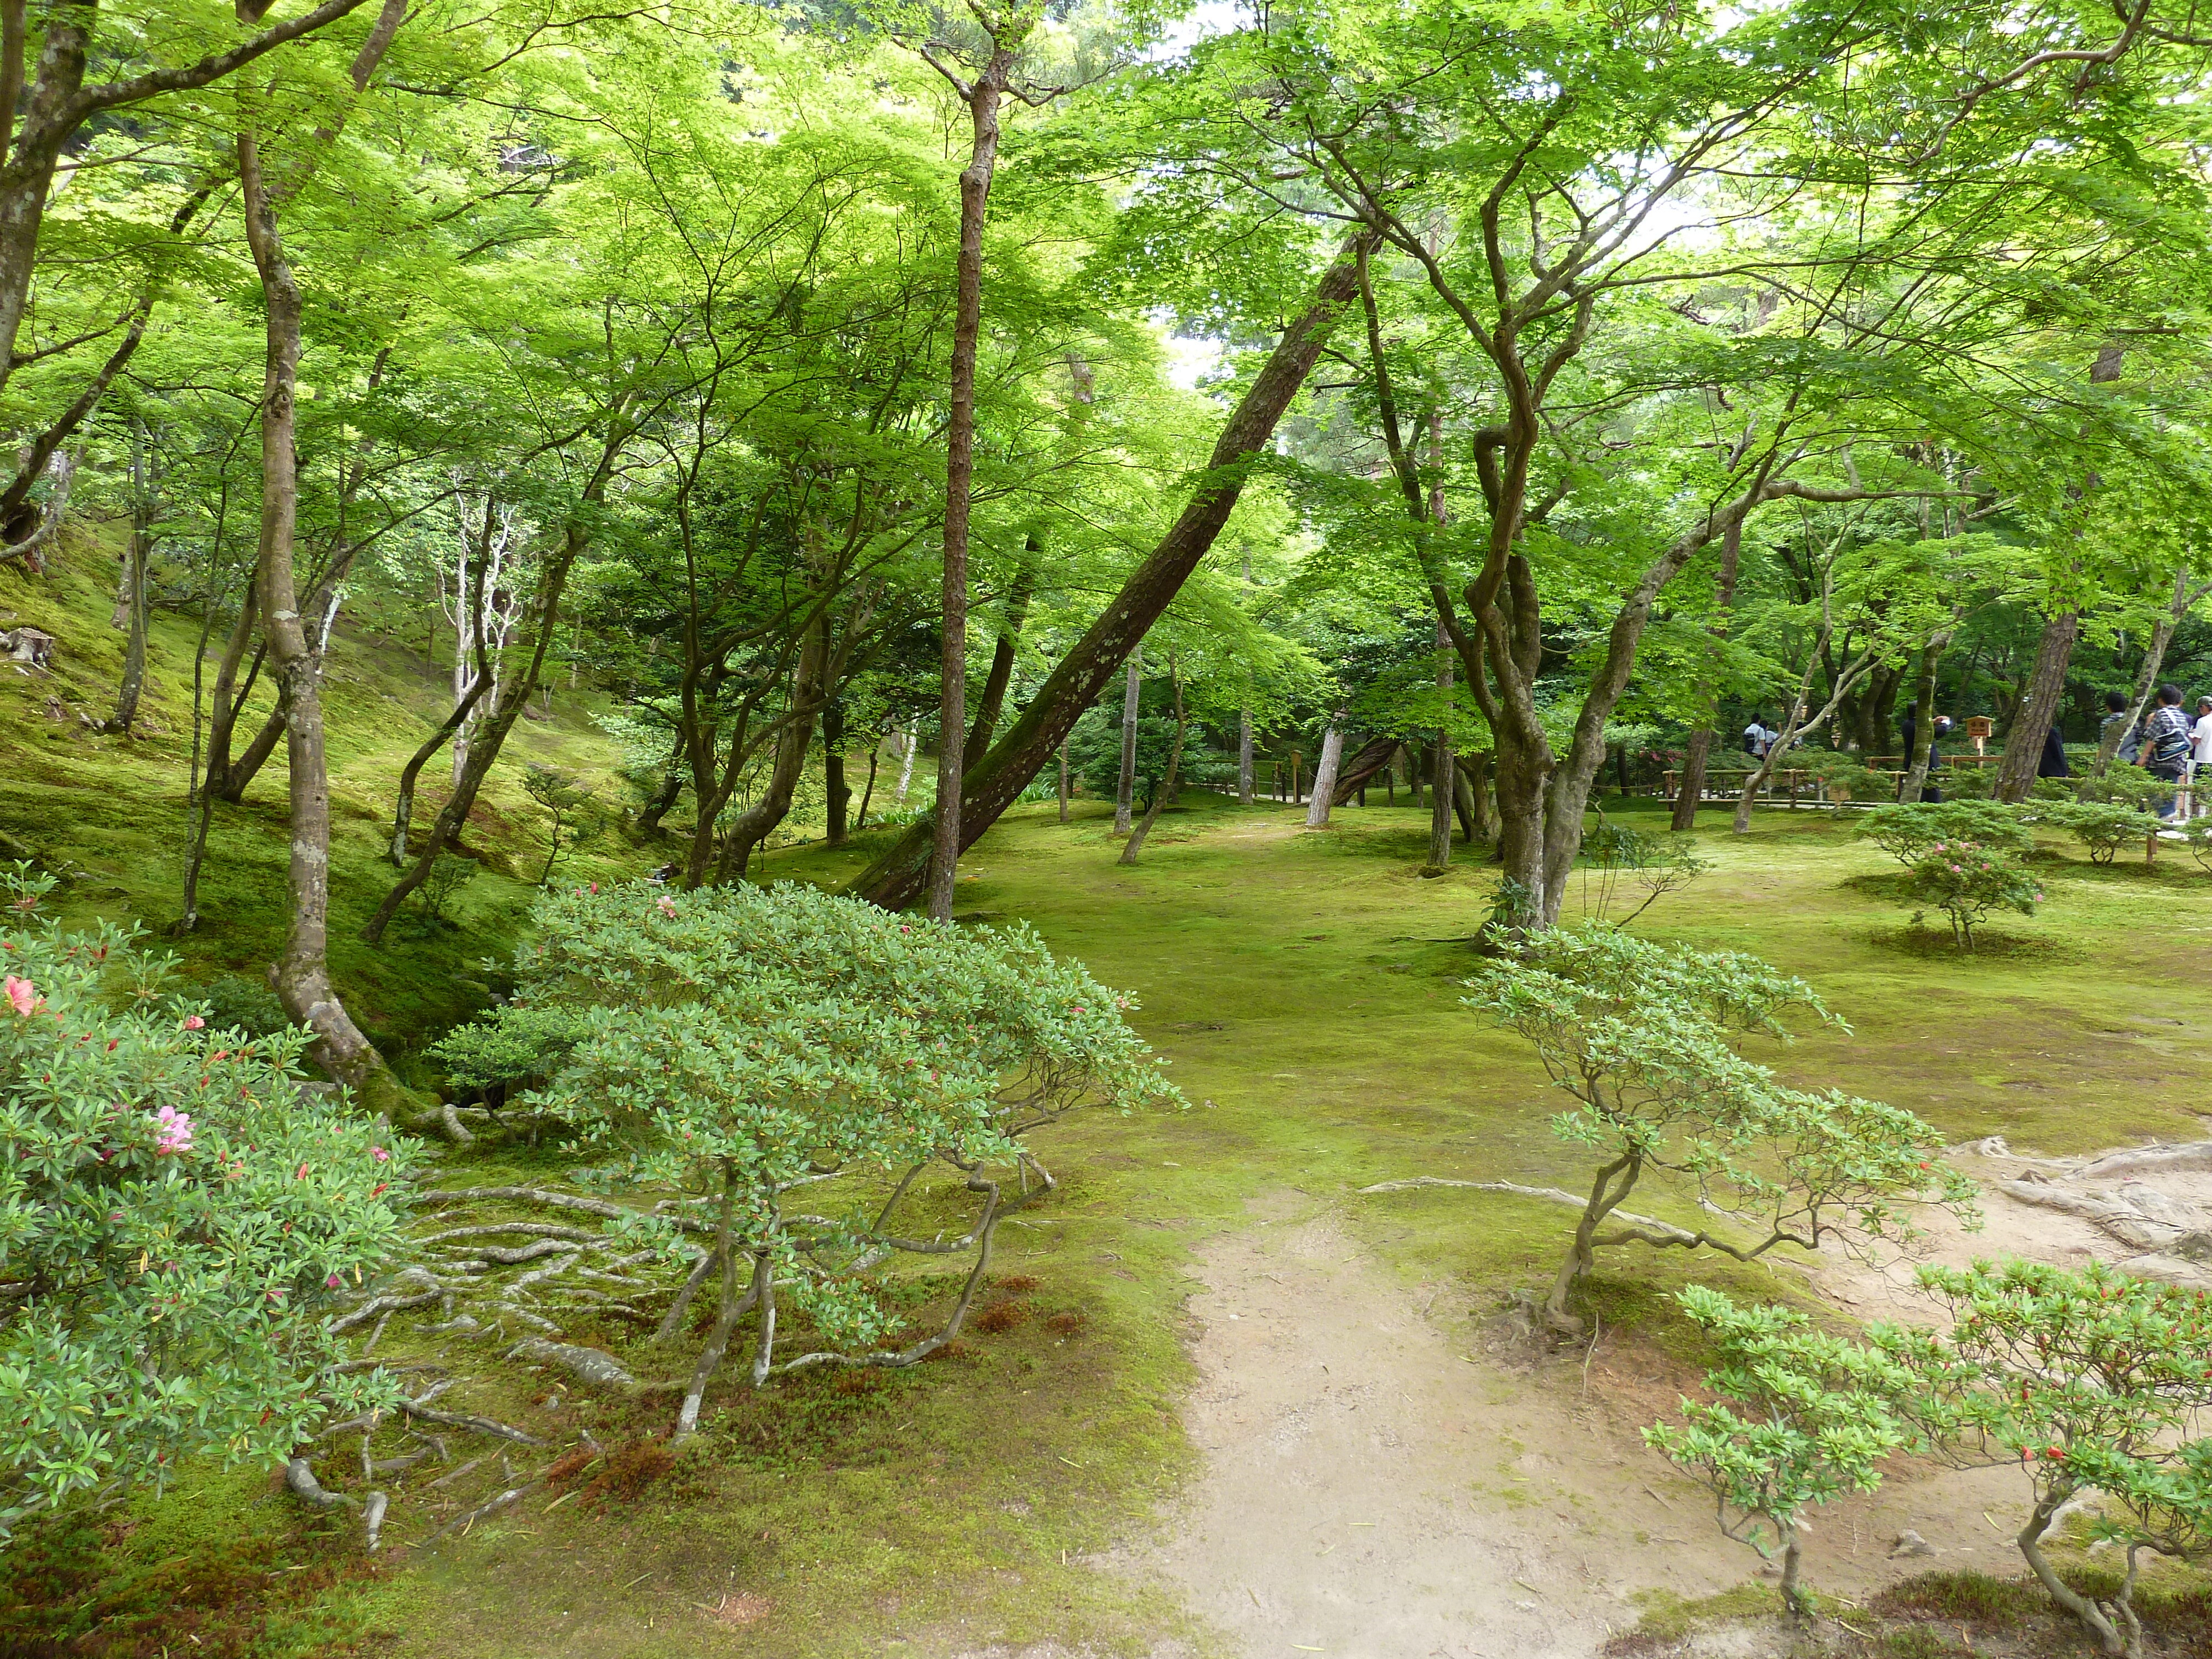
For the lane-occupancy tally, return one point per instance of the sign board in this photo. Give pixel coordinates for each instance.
(1980, 726)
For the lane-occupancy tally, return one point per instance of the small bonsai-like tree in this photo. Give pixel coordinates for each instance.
(572, 813)
(176, 1211)
(449, 873)
(2105, 827)
(744, 1045)
(1645, 1037)
(1803, 1418)
(1618, 858)
(2083, 1380)
(1966, 881)
(1907, 830)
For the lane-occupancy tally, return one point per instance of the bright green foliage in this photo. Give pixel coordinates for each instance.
(741, 1043)
(177, 1207)
(2123, 784)
(1907, 829)
(1618, 856)
(1809, 1422)
(1967, 880)
(2104, 827)
(2088, 1379)
(1645, 1037)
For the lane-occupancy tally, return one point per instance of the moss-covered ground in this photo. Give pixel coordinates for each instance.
(1304, 987)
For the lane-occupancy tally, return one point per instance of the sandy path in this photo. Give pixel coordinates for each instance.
(1372, 1489)
(1371, 1492)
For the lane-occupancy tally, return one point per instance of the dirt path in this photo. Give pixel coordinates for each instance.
(1372, 1489)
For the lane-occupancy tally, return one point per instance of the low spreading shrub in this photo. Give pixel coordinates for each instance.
(1907, 829)
(2104, 827)
(744, 1044)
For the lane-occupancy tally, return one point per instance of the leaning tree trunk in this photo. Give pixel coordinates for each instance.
(997, 778)
(132, 599)
(1324, 783)
(2039, 706)
(1701, 741)
(993, 703)
(758, 821)
(302, 974)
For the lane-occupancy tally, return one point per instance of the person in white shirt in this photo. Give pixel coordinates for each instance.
(2200, 754)
(1757, 739)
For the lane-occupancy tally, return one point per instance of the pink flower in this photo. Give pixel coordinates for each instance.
(331, 1283)
(667, 906)
(193, 1023)
(174, 1130)
(302, 1173)
(22, 995)
(379, 1154)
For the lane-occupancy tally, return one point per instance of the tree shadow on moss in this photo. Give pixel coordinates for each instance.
(1992, 945)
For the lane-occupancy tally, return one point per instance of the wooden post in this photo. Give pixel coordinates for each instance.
(1294, 792)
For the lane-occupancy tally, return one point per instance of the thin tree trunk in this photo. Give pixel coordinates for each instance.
(1923, 730)
(1124, 790)
(302, 974)
(132, 596)
(189, 916)
(1063, 780)
(838, 795)
(1442, 770)
(1324, 783)
(2161, 636)
(1167, 784)
(982, 100)
(875, 754)
(1701, 741)
(906, 760)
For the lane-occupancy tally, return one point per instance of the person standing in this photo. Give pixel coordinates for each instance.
(2053, 763)
(2166, 743)
(2200, 750)
(1757, 738)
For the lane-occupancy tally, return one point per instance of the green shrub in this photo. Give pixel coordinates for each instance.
(1966, 881)
(742, 1043)
(2122, 785)
(176, 1211)
(1842, 777)
(2104, 827)
(1644, 1037)
(1906, 830)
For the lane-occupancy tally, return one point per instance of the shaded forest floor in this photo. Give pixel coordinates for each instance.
(1046, 1489)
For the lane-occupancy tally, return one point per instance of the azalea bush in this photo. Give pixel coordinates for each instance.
(1802, 1417)
(178, 1209)
(796, 1064)
(2084, 1382)
(1646, 1038)
(1966, 881)
(1907, 830)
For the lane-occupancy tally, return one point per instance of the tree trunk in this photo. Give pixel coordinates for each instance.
(1701, 741)
(2161, 636)
(301, 976)
(2039, 704)
(754, 825)
(868, 789)
(511, 695)
(1063, 780)
(998, 778)
(1324, 784)
(1471, 795)
(838, 794)
(1924, 729)
(132, 596)
(1124, 790)
(1442, 770)
(982, 100)
(992, 703)
(1167, 784)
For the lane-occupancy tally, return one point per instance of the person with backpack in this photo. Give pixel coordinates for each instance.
(2166, 743)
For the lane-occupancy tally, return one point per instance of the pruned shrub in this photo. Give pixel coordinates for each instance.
(2081, 1381)
(1966, 881)
(1907, 829)
(1645, 1038)
(749, 1046)
(2104, 827)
